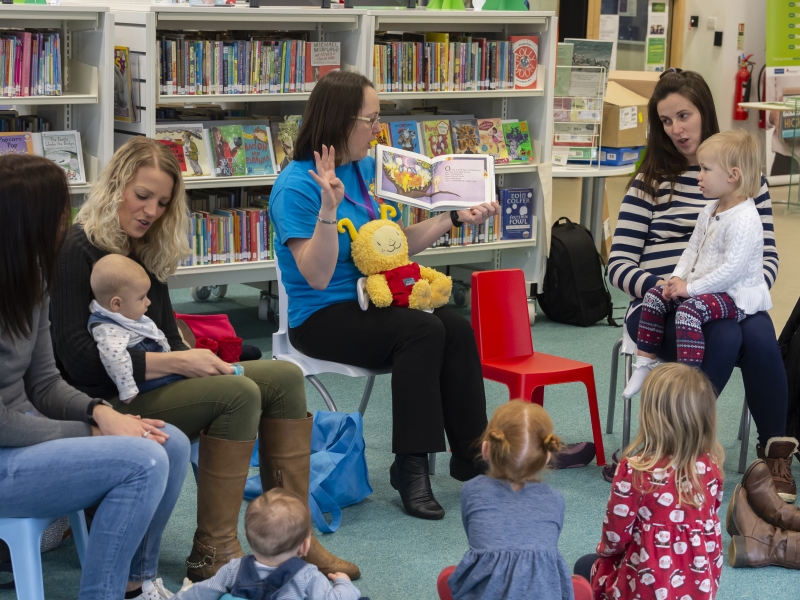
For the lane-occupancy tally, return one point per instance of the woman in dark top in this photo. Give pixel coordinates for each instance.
(60, 450)
(137, 208)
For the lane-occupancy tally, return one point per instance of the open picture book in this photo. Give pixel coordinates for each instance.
(447, 182)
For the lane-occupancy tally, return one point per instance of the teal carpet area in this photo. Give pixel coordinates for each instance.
(399, 556)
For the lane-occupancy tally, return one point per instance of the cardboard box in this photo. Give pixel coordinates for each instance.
(639, 82)
(624, 118)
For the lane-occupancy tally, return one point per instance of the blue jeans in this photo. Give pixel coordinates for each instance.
(752, 346)
(135, 481)
(148, 345)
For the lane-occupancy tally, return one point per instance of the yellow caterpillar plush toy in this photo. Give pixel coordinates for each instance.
(380, 251)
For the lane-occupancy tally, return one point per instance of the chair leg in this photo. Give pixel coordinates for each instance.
(745, 438)
(612, 386)
(26, 558)
(745, 414)
(322, 392)
(432, 463)
(80, 533)
(362, 408)
(594, 415)
(626, 412)
(537, 396)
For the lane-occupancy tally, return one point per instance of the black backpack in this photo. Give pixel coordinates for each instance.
(789, 341)
(575, 290)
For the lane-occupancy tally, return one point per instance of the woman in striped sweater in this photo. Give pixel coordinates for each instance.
(656, 220)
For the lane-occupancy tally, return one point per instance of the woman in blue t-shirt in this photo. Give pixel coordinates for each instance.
(437, 385)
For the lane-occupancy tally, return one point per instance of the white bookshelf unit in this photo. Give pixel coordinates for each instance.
(86, 104)
(355, 30)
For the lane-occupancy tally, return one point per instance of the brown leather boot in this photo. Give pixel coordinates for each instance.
(222, 471)
(778, 455)
(284, 454)
(764, 499)
(757, 543)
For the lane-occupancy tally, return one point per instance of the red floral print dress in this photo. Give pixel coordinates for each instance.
(654, 547)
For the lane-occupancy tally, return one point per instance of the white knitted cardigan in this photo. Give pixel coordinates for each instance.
(725, 254)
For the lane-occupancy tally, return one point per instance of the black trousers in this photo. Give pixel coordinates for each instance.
(437, 384)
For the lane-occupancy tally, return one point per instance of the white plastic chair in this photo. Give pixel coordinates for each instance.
(24, 539)
(282, 349)
(627, 347)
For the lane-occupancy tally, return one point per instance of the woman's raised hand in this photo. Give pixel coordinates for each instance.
(479, 214)
(332, 187)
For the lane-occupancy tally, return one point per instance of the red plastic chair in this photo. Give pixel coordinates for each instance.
(503, 333)
(580, 587)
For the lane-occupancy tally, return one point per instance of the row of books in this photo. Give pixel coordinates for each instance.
(228, 236)
(62, 147)
(507, 140)
(30, 63)
(432, 63)
(231, 149)
(13, 122)
(191, 65)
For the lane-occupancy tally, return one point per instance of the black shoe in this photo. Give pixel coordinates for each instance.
(464, 470)
(409, 475)
(572, 456)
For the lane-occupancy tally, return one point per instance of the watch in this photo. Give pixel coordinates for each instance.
(90, 410)
(454, 219)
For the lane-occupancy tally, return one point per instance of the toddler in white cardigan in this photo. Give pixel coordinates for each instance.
(720, 274)
(118, 322)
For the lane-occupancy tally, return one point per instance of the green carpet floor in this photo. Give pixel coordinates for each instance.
(400, 557)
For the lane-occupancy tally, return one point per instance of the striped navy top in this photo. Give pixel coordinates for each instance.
(650, 238)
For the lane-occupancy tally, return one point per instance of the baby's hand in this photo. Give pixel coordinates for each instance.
(335, 576)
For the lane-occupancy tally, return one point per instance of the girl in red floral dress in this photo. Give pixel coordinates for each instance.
(661, 534)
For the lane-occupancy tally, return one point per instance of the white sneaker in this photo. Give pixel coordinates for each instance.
(641, 369)
(154, 590)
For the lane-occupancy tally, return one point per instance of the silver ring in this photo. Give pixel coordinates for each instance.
(145, 434)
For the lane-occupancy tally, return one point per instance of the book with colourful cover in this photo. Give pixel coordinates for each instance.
(259, 158)
(526, 60)
(490, 134)
(404, 135)
(435, 138)
(16, 143)
(228, 151)
(465, 136)
(321, 59)
(188, 143)
(384, 136)
(516, 206)
(64, 149)
(123, 95)
(518, 141)
(284, 134)
(447, 182)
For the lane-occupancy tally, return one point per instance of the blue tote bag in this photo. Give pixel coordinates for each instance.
(339, 474)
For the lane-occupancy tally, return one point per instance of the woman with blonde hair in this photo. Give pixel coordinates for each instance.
(138, 209)
(661, 536)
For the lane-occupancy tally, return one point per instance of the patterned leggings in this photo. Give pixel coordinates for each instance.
(690, 316)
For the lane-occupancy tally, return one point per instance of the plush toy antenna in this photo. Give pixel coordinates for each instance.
(348, 225)
(388, 209)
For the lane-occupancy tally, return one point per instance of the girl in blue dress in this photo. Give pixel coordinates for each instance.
(512, 519)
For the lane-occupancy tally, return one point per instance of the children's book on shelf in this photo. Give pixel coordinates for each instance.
(490, 135)
(30, 63)
(284, 135)
(435, 138)
(563, 68)
(384, 136)
(453, 181)
(228, 151)
(526, 60)
(516, 205)
(589, 53)
(518, 141)
(64, 149)
(321, 59)
(16, 143)
(465, 136)
(259, 159)
(188, 141)
(405, 135)
(123, 94)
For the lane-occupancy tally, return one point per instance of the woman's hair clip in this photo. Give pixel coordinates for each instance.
(671, 70)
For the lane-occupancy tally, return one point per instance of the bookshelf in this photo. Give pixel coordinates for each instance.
(139, 28)
(86, 104)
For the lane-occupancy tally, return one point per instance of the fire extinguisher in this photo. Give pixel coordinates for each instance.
(741, 92)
